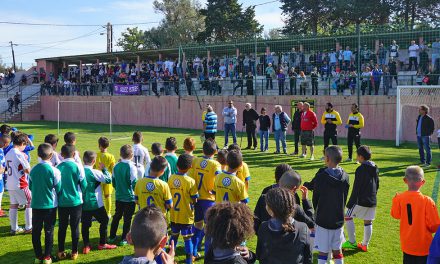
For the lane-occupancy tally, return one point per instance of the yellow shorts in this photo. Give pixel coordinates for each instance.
(107, 189)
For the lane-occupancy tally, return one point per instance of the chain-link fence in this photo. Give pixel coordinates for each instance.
(370, 60)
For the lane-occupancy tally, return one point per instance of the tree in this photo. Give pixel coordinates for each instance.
(132, 39)
(305, 17)
(412, 12)
(181, 24)
(182, 21)
(227, 20)
(356, 12)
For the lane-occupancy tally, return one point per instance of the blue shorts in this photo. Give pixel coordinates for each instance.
(200, 209)
(184, 229)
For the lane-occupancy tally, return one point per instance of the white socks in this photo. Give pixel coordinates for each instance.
(349, 224)
(368, 231)
(28, 218)
(13, 219)
(338, 261)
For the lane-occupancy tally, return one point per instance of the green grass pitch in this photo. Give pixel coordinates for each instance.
(392, 161)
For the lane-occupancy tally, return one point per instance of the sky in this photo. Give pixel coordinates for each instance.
(44, 41)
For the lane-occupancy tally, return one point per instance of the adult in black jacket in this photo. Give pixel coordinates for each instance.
(264, 120)
(250, 117)
(424, 130)
(296, 125)
(285, 177)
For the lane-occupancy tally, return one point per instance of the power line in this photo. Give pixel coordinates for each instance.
(94, 32)
(265, 3)
(75, 25)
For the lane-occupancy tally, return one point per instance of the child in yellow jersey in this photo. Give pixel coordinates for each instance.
(243, 171)
(228, 187)
(153, 191)
(204, 170)
(221, 158)
(184, 192)
(108, 161)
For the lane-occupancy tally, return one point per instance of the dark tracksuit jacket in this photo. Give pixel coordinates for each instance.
(365, 186)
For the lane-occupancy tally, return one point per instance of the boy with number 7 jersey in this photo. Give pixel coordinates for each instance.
(204, 172)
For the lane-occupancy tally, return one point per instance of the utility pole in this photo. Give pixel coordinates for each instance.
(109, 38)
(13, 55)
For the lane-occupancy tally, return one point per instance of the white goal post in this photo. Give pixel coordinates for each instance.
(85, 102)
(409, 98)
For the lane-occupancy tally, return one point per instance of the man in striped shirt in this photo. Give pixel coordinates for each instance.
(210, 123)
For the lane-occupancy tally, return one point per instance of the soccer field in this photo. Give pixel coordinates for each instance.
(392, 161)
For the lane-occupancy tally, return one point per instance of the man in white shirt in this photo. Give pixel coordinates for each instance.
(412, 54)
(347, 54)
(435, 53)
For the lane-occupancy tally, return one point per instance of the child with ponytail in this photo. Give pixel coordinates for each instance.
(282, 239)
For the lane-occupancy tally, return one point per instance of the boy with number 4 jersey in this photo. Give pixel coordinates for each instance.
(184, 192)
(45, 183)
(93, 205)
(228, 187)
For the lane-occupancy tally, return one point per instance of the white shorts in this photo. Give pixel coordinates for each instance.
(327, 240)
(20, 197)
(361, 212)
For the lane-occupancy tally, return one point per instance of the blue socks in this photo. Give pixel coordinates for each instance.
(188, 250)
(196, 239)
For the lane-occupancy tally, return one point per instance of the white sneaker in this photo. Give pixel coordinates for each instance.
(312, 157)
(302, 156)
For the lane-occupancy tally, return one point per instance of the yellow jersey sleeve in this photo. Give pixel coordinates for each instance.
(241, 192)
(338, 119)
(323, 120)
(361, 121)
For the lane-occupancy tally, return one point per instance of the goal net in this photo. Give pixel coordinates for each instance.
(98, 112)
(408, 100)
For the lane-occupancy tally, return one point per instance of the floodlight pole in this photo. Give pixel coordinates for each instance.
(13, 55)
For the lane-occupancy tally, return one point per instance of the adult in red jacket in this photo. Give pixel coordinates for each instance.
(308, 123)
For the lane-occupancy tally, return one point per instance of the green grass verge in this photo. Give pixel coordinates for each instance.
(392, 161)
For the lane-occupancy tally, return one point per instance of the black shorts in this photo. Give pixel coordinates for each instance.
(307, 137)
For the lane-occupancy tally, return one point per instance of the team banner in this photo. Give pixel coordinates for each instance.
(293, 103)
(126, 89)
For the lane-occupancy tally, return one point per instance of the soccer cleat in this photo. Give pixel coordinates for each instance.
(37, 261)
(349, 160)
(47, 260)
(3, 214)
(427, 165)
(62, 255)
(312, 157)
(302, 156)
(74, 256)
(276, 152)
(361, 247)
(86, 250)
(18, 231)
(123, 243)
(28, 231)
(349, 245)
(106, 246)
